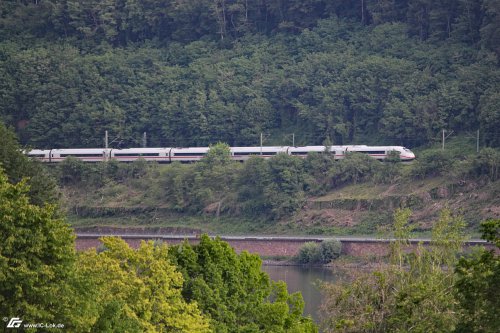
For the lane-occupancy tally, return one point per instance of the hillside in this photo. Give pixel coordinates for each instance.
(362, 209)
(282, 195)
(365, 208)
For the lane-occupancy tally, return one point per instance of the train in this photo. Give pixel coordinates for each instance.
(168, 155)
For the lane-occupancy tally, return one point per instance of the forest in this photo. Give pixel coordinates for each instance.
(196, 72)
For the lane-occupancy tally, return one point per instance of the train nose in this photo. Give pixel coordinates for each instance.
(410, 156)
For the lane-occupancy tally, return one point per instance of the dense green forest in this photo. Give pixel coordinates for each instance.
(195, 72)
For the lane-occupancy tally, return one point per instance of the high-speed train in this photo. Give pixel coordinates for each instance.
(167, 155)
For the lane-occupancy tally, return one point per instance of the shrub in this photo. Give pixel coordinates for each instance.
(309, 253)
(433, 163)
(487, 163)
(319, 253)
(329, 250)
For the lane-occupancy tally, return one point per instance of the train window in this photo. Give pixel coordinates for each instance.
(82, 155)
(299, 152)
(246, 153)
(189, 154)
(137, 155)
(254, 153)
(36, 155)
(374, 152)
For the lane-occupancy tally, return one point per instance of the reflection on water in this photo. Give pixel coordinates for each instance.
(305, 280)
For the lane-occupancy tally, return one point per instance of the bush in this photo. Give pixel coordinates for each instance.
(433, 163)
(487, 163)
(354, 168)
(309, 253)
(329, 250)
(319, 253)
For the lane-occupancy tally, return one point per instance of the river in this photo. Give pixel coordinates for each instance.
(305, 280)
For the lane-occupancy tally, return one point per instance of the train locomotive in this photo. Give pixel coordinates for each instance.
(168, 155)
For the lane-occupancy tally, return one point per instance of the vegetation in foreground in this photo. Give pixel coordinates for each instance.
(155, 288)
(431, 289)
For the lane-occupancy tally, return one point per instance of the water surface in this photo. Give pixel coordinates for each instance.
(303, 279)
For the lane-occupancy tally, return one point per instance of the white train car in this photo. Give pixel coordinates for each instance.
(244, 153)
(166, 155)
(337, 151)
(382, 152)
(188, 154)
(161, 155)
(43, 155)
(85, 155)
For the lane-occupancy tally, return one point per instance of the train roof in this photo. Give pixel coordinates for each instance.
(36, 151)
(191, 149)
(258, 149)
(80, 150)
(140, 150)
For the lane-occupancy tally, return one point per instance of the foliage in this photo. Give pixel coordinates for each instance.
(284, 191)
(137, 290)
(36, 258)
(433, 163)
(354, 168)
(41, 186)
(252, 180)
(234, 293)
(487, 163)
(413, 293)
(319, 253)
(478, 284)
(317, 165)
(308, 253)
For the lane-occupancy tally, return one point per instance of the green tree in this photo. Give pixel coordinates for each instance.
(251, 182)
(478, 284)
(487, 163)
(234, 293)
(41, 186)
(412, 294)
(137, 290)
(285, 191)
(489, 116)
(37, 253)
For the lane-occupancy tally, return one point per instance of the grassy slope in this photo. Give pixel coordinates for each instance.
(361, 209)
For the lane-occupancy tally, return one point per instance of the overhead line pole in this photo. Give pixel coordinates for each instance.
(477, 142)
(261, 143)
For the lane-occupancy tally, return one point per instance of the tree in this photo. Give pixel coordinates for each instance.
(478, 284)
(137, 290)
(411, 294)
(489, 116)
(251, 182)
(37, 253)
(41, 186)
(232, 290)
(285, 191)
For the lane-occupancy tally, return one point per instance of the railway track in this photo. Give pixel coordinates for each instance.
(266, 245)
